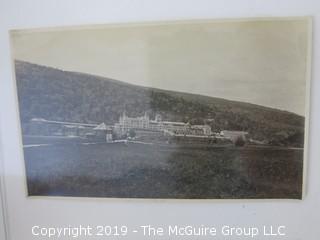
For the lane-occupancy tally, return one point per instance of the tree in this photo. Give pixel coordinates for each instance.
(132, 133)
(239, 141)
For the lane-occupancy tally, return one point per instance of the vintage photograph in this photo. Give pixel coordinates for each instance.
(204, 109)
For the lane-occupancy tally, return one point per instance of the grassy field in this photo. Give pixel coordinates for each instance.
(153, 171)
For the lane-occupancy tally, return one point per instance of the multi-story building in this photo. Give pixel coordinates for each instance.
(144, 123)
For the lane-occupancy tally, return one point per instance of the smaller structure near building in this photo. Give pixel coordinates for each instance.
(43, 127)
(103, 132)
(234, 135)
(106, 132)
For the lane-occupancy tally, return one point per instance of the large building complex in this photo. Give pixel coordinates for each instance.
(142, 126)
(144, 123)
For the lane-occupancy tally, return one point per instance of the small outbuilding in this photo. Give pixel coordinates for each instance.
(102, 131)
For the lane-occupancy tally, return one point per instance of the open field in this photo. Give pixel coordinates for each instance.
(153, 171)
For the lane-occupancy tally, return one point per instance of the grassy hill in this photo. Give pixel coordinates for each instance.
(54, 94)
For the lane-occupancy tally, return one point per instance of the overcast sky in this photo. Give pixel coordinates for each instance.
(261, 62)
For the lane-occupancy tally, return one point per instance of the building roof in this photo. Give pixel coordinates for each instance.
(42, 120)
(174, 123)
(230, 131)
(101, 126)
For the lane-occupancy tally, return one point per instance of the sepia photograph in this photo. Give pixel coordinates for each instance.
(199, 109)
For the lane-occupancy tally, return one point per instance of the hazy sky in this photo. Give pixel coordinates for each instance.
(261, 62)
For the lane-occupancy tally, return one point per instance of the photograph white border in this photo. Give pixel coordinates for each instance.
(309, 19)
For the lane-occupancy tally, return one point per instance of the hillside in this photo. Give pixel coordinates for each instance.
(54, 94)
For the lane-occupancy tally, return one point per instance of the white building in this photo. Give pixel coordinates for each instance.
(233, 135)
(157, 125)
